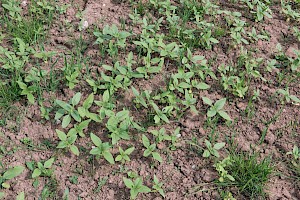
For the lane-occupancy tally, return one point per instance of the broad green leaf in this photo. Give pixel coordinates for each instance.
(66, 121)
(220, 145)
(207, 101)
(76, 116)
(220, 104)
(144, 189)
(76, 99)
(128, 182)
(89, 101)
(64, 105)
(36, 173)
(211, 113)
(61, 135)
(30, 98)
(49, 163)
(108, 156)
(146, 141)
(224, 115)
(156, 156)
(129, 150)
(13, 172)
(206, 154)
(96, 151)
(96, 140)
(74, 150)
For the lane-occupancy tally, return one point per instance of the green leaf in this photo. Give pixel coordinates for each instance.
(66, 121)
(220, 104)
(21, 196)
(145, 140)
(144, 189)
(64, 105)
(36, 173)
(76, 116)
(156, 156)
(89, 101)
(30, 98)
(13, 172)
(220, 145)
(128, 182)
(49, 163)
(207, 101)
(61, 135)
(224, 115)
(129, 150)
(206, 154)
(211, 113)
(96, 140)
(108, 156)
(76, 99)
(2, 194)
(74, 150)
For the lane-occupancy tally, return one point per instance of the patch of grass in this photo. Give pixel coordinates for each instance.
(250, 175)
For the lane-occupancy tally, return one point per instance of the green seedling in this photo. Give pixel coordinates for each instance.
(160, 135)
(150, 149)
(220, 167)
(189, 102)
(118, 126)
(253, 34)
(296, 33)
(96, 85)
(141, 98)
(68, 110)
(287, 97)
(78, 128)
(212, 150)
(28, 91)
(84, 109)
(124, 155)
(136, 187)
(72, 79)
(10, 174)
(68, 140)
(216, 108)
(106, 105)
(101, 149)
(157, 186)
(295, 153)
(160, 115)
(41, 169)
(295, 62)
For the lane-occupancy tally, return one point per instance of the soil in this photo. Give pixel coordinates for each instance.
(183, 170)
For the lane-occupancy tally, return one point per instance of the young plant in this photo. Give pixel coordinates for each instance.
(68, 110)
(157, 186)
(212, 150)
(216, 108)
(295, 152)
(160, 135)
(10, 174)
(41, 169)
(136, 187)
(287, 97)
(106, 105)
(124, 155)
(68, 140)
(101, 149)
(150, 149)
(220, 167)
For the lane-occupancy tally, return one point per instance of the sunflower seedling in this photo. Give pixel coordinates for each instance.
(150, 149)
(212, 150)
(136, 187)
(101, 149)
(68, 110)
(216, 108)
(41, 169)
(124, 155)
(10, 174)
(68, 140)
(157, 186)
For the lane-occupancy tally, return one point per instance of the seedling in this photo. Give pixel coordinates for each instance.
(160, 135)
(216, 108)
(41, 169)
(287, 97)
(220, 167)
(101, 149)
(212, 150)
(10, 174)
(157, 186)
(68, 110)
(68, 140)
(295, 153)
(136, 187)
(150, 149)
(124, 155)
